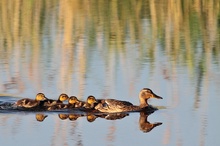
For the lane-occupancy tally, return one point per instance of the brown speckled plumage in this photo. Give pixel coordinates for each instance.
(31, 103)
(114, 106)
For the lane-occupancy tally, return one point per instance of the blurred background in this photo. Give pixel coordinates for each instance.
(113, 49)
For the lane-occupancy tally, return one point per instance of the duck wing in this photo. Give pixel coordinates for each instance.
(118, 103)
(114, 106)
(50, 102)
(26, 103)
(58, 106)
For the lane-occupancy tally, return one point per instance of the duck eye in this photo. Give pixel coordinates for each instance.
(148, 91)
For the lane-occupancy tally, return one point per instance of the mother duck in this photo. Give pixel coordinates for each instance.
(115, 106)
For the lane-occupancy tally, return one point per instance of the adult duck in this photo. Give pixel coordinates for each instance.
(115, 106)
(31, 103)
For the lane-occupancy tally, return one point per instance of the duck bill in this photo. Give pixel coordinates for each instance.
(156, 96)
(45, 98)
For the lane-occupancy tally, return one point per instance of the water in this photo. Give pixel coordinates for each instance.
(112, 49)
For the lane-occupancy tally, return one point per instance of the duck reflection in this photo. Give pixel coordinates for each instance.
(63, 116)
(114, 116)
(144, 124)
(74, 117)
(40, 117)
(91, 117)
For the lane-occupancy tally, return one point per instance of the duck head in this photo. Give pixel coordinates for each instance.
(91, 100)
(73, 100)
(40, 97)
(146, 94)
(63, 97)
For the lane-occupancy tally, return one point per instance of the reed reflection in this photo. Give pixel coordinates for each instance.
(59, 40)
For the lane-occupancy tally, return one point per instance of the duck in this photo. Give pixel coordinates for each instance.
(73, 102)
(58, 106)
(31, 103)
(51, 102)
(91, 102)
(115, 106)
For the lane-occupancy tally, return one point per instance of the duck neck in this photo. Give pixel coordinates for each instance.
(143, 102)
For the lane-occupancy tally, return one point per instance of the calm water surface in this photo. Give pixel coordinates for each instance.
(112, 49)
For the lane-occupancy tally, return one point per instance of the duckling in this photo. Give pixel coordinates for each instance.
(51, 102)
(91, 102)
(114, 106)
(73, 102)
(58, 106)
(31, 103)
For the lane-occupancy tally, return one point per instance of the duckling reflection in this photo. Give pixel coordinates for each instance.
(74, 117)
(40, 117)
(91, 117)
(144, 125)
(63, 116)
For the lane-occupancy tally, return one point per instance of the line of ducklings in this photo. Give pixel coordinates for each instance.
(91, 104)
